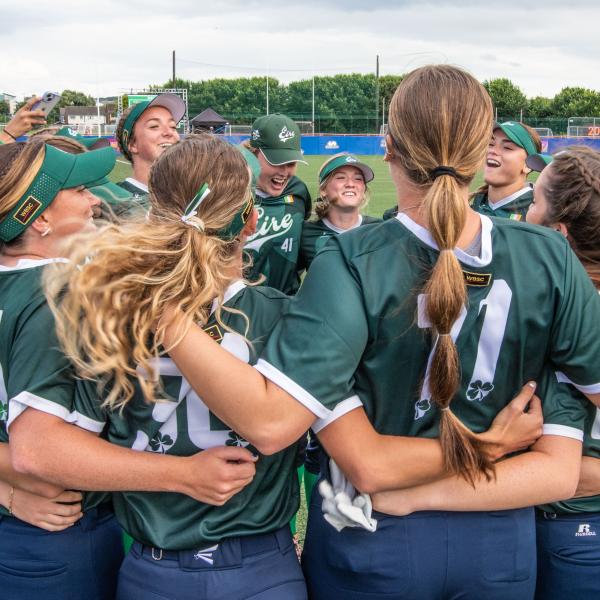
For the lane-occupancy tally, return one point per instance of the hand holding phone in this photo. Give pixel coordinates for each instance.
(24, 120)
(47, 103)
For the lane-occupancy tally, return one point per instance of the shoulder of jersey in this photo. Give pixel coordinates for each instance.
(368, 220)
(256, 292)
(297, 187)
(365, 240)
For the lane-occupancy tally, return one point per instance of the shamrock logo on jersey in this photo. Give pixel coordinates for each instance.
(236, 440)
(161, 443)
(3, 411)
(479, 390)
(421, 408)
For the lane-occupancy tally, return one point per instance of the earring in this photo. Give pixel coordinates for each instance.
(46, 232)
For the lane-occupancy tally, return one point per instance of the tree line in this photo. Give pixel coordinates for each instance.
(352, 103)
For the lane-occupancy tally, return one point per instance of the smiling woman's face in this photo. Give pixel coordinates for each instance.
(345, 187)
(154, 132)
(505, 161)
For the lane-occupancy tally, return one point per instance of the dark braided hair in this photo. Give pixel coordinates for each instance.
(573, 198)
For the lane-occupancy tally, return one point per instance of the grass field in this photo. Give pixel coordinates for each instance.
(381, 188)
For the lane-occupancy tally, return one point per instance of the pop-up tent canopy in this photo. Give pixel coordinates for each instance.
(209, 120)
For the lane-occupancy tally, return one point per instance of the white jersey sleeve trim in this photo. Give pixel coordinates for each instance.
(344, 407)
(593, 388)
(563, 431)
(291, 387)
(25, 400)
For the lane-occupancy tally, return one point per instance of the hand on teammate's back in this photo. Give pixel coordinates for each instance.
(518, 425)
(51, 514)
(219, 473)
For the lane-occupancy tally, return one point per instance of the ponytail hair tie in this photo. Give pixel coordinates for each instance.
(442, 170)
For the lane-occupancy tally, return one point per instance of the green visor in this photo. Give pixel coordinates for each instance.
(345, 160)
(172, 102)
(538, 162)
(519, 135)
(59, 171)
(252, 162)
(91, 143)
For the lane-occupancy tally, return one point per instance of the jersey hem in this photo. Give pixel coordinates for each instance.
(593, 388)
(563, 431)
(291, 387)
(25, 400)
(344, 407)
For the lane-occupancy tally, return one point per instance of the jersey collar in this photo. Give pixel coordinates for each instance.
(230, 292)
(138, 184)
(473, 261)
(32, 263)
(337, 229)
(509, 199)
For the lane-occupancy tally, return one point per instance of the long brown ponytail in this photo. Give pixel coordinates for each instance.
(442, 116)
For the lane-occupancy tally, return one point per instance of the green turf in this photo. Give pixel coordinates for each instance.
(382, 191)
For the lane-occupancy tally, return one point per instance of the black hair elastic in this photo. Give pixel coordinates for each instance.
(442, 170)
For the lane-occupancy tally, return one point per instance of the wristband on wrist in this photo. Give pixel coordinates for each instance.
(8, 133)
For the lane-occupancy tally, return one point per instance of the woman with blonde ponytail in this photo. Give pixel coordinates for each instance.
(424, 326)
(229, 537)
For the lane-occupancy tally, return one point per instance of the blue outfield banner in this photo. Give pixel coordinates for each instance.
(375, 145)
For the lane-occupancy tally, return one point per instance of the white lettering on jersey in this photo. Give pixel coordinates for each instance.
(267, 229)
(198, 415)
(497, 305)
(287, 244)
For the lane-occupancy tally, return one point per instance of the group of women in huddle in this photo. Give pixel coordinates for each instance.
(142, 365)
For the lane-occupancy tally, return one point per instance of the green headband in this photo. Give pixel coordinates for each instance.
(227, 233)
(517, 134)
(60, 170)
(129, 124)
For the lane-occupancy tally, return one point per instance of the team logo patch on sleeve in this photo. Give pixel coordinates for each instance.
(289, 199)
(477, 279)
(516, 217)
(215, 332)
(27, 210)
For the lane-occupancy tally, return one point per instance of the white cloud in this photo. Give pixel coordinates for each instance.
(107, 48)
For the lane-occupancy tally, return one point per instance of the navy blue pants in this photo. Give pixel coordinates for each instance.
(79, 563)
(260, 567)
(568, 556)
(425, 556)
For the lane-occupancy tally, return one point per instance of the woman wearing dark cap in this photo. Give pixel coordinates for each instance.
(283, 203)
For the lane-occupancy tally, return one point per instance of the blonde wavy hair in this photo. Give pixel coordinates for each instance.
(442, 116)
(110, 297)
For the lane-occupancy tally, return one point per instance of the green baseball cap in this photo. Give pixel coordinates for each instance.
(252, 162)
(91, 143)
(278, 138)
(59, 171)
(519, 135)
(538, 162)
(345, 159)
(172, 102)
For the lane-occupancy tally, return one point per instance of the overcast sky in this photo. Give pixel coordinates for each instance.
(107, 47)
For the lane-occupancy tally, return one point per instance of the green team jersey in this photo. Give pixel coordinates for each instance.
(359, 312)
(390, 213)
(34, 372)
(139, 202)
(315, 234)
(274, 248)
(591, 447)
(513, 207)
(183, 425)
